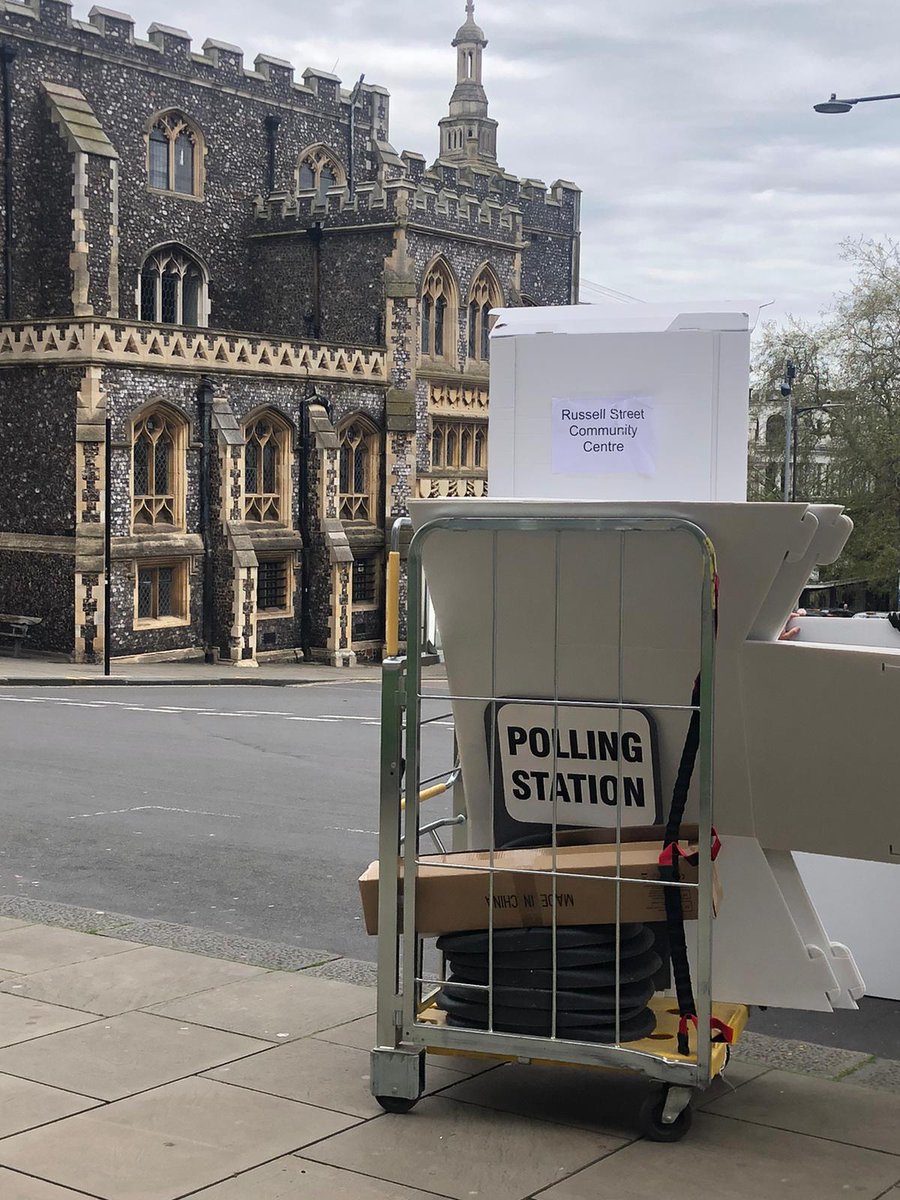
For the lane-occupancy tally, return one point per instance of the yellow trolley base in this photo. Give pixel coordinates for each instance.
(662, 1043)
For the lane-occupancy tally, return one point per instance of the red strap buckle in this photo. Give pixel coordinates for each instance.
(725, 1032)
(668, 852)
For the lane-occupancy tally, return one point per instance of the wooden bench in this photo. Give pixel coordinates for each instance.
(16, 629)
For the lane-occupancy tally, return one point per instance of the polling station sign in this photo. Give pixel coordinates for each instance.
(599, 437)
(591, 763)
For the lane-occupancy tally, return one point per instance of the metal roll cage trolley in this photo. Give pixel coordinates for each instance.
(691, 1037)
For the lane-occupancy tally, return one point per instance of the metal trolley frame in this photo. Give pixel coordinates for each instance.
(408, 1022)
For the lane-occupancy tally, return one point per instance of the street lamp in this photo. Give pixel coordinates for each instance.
(790, 453)
(791, 413)
(790, 467)
(835, 105)
(787, 388)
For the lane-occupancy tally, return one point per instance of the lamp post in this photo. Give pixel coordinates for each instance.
(787, 388)
(790, 458)
(836, 105)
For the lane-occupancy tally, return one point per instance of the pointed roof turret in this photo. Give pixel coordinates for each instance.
(468, 135)
(470, 32)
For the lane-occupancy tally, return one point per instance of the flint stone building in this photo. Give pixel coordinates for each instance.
(281, 322)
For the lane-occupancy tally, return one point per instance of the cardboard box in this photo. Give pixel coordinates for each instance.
(451, 896)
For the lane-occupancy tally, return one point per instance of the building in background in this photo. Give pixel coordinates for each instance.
(282, 321)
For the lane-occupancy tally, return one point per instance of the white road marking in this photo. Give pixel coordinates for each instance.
(170, 710)
(115, 812)
(182, 709)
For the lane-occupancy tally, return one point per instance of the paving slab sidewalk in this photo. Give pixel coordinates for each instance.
(131, 1071)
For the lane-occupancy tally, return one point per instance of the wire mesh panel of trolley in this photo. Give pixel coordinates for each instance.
(580, 660)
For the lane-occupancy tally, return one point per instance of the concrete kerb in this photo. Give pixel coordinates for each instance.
(275, 675)
(173, 681)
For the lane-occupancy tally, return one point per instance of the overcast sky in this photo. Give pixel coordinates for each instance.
(687, 123)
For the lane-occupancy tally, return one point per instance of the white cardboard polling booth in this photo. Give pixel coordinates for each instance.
(597, 403)
(644, 413)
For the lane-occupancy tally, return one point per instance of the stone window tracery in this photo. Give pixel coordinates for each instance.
(173, 288)
(175, 150)
(358, 487)
(438, 314)
(267, 445)
(158, 452)
(318, 170)
(458, 445)
(161, 593)
(484, 296)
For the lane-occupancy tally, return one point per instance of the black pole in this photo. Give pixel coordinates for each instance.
(271, 122)
(794, 432)
(7, 54)
(107, 547)
(305, 632)
(205, 398)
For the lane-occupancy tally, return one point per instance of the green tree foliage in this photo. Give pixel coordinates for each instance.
(848, 442)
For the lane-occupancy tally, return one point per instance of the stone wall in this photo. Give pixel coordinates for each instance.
(126, 640)
(128, 391)
(127, 82)
(344, 268)
(40, 585)
(37, 433)
(351, 288)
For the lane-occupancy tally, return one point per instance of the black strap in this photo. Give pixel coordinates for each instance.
(681, 970)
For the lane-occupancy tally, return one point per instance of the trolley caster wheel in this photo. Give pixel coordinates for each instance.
(397, 1104)
(653, 1126)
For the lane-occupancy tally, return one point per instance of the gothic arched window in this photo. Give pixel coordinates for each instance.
(318, 170)
(484, 296)
(359, 471)
(439, 308)
(175, 155)
(158, 440)
(173, 288)
(267, 469)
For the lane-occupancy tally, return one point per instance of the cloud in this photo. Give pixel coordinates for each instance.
(689, 126)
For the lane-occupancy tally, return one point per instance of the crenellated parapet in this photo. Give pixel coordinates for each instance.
(444, 197)
(111, 34)
(398, 200)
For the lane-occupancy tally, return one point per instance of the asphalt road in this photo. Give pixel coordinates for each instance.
(242, 810)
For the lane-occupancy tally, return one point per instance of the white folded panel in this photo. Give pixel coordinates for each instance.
(834, 528)
(808, 922)
(859, 903)
(759, 954)
(876, 632)
(824, 751)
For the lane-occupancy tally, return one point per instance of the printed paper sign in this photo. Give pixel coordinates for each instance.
(591, 761)
(601, 437)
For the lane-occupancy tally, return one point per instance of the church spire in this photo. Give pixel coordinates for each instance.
(468, 135)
